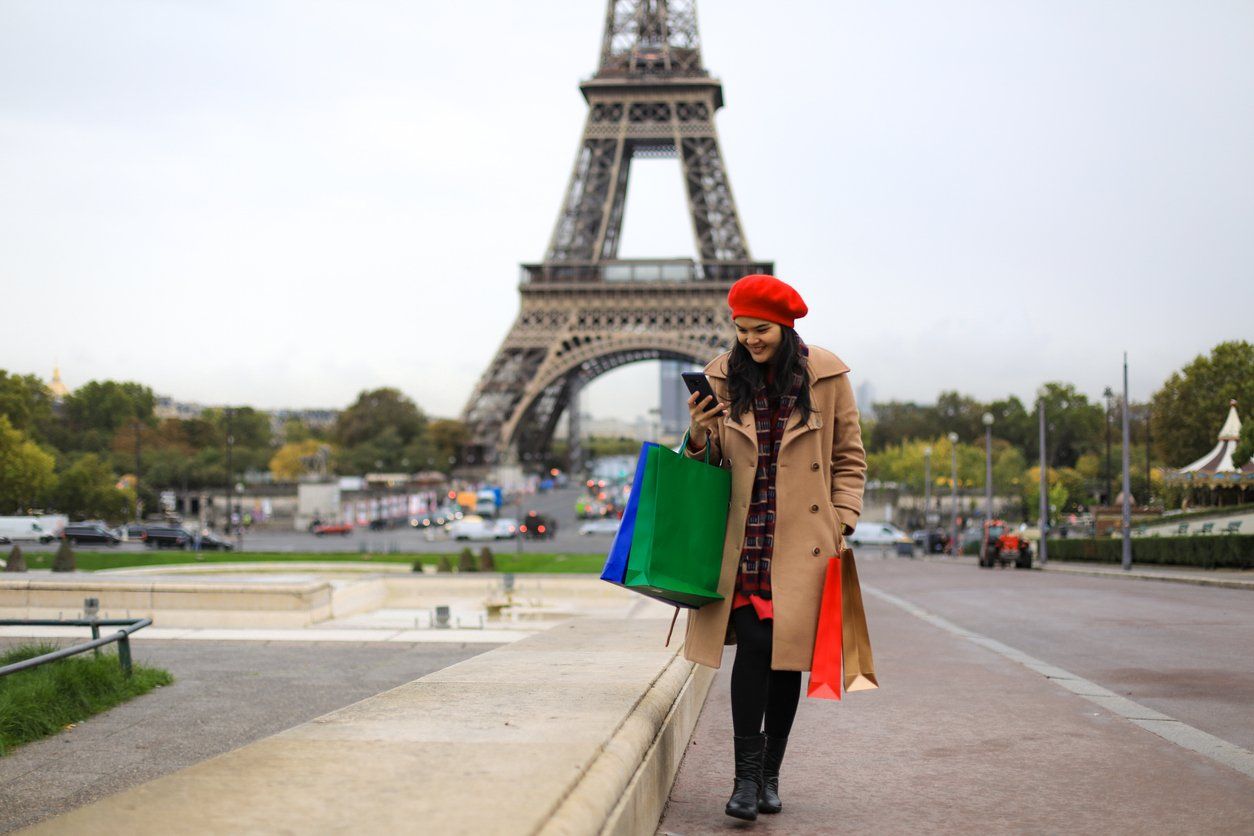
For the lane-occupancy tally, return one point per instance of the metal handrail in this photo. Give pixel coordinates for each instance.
(122, 637)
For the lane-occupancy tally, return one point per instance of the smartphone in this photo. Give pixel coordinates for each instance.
(699, 384)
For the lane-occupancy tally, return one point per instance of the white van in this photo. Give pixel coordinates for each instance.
(42, 529)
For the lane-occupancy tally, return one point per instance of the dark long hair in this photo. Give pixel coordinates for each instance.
(745, 376)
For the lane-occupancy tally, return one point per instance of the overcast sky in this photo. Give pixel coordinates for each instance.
(283, 203)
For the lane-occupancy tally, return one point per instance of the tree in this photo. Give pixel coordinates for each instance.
(1012, 422)
(296, 459)
(1073, 426)
(1189, 408)
(98, 409)
(376, 411)
(88, 488)
(898, 421)
(1245, 448)
(960, 414)
(27, 403)
(448, 438)
(27, 472)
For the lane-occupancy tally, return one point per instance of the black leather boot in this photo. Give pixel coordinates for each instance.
(744, 799)
(772, 757)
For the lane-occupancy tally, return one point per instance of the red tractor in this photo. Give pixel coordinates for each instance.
(1002, 545)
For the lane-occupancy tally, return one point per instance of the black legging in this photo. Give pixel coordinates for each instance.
(757, 692)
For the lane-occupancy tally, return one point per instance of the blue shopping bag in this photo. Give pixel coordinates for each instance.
(616, 564)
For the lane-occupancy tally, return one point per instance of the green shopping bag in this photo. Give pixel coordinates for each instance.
(677, 546)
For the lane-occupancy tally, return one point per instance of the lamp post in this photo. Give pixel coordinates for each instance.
(139, 474)
(1127, 476)
(927, 487)
(953, 456)
(1108, 394)
(988, 465)
(1044, 504)
(230, 481)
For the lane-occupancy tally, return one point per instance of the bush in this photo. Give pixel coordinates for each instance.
(17, 563)
(446, 565)
(466, 561)
(1219, 551)
(417, 567)
(487, 563)
(64, 561)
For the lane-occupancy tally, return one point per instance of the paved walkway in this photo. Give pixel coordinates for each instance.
(225, 694)
(964, 737)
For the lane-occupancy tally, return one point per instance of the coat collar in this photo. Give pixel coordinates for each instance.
(821, 363)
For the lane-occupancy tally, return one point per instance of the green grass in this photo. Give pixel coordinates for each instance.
(505, 561)
(44, 700)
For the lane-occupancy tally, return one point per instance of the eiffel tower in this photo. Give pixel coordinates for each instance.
(585, 311)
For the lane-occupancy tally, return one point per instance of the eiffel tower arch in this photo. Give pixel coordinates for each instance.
(584, 311)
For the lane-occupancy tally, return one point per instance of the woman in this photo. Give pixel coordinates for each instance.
(785, 424)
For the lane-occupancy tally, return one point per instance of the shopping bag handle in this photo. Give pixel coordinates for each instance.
(683, 445)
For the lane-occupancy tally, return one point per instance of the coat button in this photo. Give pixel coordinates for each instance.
(814, 509)
(814, 466)
(816, 552)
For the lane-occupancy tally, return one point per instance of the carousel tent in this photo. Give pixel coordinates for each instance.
(1216, 468)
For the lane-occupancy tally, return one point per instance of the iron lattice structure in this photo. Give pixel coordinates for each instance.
(585, 311)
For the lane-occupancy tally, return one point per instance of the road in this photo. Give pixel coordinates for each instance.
(965, 736)
(559, 504)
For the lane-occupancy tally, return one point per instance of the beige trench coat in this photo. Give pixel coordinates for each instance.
(818, 488)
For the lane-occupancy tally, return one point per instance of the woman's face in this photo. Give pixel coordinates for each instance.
(760, 337)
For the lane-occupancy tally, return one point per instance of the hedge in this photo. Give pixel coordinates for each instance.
(1219, 551)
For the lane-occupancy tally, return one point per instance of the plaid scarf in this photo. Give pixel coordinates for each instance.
(754, 574)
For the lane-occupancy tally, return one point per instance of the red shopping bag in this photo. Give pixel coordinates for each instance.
(825, 674)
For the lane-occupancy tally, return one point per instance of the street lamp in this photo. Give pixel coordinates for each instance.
(927, 484)
(1044, 503)
(953, 456)
(1108, 394)
(988, 465)
(230, 481)
(1127, 476)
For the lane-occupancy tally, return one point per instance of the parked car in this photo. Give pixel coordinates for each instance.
(538, 527)
(874, 533)
(472, 527)
(931, 540)
(505, 528)
(167, 537)
(605, 525)
(212, 542)
(90, 532)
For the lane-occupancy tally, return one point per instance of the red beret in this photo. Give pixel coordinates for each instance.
(766, 297)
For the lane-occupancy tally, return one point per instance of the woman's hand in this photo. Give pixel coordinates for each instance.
(705, 412)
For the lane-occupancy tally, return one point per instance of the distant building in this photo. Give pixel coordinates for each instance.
(640, 428)
(315, 419)
(865, 396)
(166, 407)
(58, 389)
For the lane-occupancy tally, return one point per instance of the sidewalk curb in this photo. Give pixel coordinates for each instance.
(1226, 583)
(1135, 574)
(624, 791)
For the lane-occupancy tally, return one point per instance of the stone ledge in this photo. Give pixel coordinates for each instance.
(576, 730)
